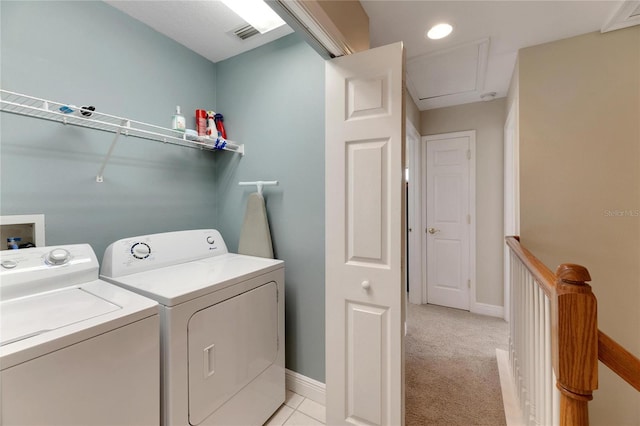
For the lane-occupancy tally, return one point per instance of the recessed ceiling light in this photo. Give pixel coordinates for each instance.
(256, 13)
(439, 31)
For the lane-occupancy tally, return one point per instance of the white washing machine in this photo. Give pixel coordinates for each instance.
(222, 324)
(74, 350)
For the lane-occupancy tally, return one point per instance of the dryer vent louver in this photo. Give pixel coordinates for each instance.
(245, 32)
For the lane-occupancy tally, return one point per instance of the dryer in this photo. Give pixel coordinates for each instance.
(74, 350)
(222, 324)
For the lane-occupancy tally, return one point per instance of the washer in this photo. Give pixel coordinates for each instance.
(222, 324)
(74, 350)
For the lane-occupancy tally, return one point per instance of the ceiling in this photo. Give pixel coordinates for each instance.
(480, 54)
(476, 59)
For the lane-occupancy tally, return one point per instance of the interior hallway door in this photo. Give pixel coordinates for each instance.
(448, 219)
(365, 237)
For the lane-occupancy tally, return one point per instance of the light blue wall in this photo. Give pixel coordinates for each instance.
(273, 102)
(90, 53)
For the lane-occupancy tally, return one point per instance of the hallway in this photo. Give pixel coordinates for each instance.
(451, 370)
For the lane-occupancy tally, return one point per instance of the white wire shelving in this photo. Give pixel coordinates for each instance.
(17, 103)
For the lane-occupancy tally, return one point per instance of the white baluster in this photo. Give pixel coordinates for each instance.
(556, 403)
(518, 335)
(540, 370)
(548, 368)
(534, 352)
(522, 366)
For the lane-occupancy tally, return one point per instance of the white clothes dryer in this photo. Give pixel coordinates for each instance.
(222, 324)
(74, 350)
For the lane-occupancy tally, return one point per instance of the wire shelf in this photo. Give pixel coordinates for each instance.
(17, 103)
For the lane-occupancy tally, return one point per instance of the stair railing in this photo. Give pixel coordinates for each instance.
(554, 341)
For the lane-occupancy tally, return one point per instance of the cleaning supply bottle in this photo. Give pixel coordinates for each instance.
(178, 123)
(13, 243)
(220, 126)
(201, 122)
(211, 131)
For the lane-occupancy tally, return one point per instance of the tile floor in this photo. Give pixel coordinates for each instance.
(298, 411)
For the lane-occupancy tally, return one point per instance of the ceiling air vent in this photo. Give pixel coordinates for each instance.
(245, 32)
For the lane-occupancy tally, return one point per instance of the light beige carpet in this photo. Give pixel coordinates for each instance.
(451, 370)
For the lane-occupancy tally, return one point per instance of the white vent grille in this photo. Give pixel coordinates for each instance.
(245, 32)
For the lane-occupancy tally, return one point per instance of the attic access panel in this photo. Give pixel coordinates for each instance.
(450, 72)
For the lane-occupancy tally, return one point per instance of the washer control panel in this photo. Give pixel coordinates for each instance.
(145, 252)
(45, 258)
(36, 269)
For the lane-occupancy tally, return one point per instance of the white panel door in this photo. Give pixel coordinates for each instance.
(448, 220)
(365, 238)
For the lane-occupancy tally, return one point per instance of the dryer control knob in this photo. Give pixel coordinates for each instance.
(141, 250)
(58, 256)
(210, 239)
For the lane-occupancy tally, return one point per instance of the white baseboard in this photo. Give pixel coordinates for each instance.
(306, 386)
(486, 309)
(512, 411)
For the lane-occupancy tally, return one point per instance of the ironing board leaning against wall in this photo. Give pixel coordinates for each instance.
(255, 236)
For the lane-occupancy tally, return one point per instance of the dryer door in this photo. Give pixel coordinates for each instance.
(230, 344)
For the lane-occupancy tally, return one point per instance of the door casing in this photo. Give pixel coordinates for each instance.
(414, 207)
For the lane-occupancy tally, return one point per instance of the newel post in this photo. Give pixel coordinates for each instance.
(574, 343)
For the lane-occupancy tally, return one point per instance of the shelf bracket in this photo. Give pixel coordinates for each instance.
(99, 176)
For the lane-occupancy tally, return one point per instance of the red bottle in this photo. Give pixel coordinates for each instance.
(201, 122)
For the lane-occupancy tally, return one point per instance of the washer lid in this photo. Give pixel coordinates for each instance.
(33, 315)
(48, 321)
(177, 284)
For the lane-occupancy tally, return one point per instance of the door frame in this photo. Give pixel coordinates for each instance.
(472, 210)
(511, 195)
(417, 295)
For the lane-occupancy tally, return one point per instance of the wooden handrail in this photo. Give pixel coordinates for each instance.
(619, 360)
(543, 275)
